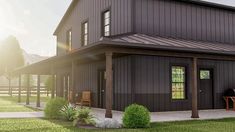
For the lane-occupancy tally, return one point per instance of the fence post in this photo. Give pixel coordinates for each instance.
(38, 90)
(28, 87)
(19, 89)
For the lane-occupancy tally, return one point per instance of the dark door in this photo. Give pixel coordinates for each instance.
(205, 89)
(101, 88)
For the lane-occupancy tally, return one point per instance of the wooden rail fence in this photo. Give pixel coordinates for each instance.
(4, 90)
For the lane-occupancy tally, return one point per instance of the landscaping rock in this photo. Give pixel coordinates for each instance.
(108, 123)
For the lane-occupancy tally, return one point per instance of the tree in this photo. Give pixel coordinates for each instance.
(48, 84)
(11, 57)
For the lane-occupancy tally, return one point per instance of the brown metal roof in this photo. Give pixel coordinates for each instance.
(174, 44)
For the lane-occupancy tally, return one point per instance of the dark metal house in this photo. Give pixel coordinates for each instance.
(167, 55)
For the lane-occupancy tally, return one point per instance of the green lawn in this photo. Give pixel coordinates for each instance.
(38, 125)
(10, 104)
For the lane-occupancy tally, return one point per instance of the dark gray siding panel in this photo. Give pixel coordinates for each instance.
(146, 80)
(184, 20)
(122, 83)
(152, 83)
(87, 79)
(224, 75)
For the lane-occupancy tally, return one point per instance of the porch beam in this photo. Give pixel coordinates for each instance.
(19, 90)
(109, 85)
(38, 90)
(28, 88)
(194, 89)
(171, 54)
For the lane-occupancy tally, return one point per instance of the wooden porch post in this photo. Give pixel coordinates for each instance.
(109, 85)
(72, 84)
(53, 86)
(27, 87)
(19, 90)
(38, 90)
(194, 89)
(52, 83)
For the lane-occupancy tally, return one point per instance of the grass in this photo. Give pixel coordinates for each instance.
(10, 104)
(38, 125)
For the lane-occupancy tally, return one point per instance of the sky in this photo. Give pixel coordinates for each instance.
(34, 21)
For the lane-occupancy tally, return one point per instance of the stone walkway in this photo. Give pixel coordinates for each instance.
(21, 114)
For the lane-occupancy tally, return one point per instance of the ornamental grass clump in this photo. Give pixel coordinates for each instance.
(53, 107)
(68, 112)
(84, 118)
(136, 116)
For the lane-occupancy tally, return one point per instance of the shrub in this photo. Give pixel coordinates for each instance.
(108, 123)
(68, 112)
(84, 117)
(53, 107)
(136, 116)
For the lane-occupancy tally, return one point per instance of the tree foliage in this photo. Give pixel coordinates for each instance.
(25, 80)
(48, 83)
(11, 56)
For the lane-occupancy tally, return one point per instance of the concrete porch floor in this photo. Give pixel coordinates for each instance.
(162, 116)
(172, 116)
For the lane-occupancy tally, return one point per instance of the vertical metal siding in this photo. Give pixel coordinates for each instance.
(121, 20)
(184, 20)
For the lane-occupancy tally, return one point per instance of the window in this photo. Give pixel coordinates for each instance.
(85, 34)
(69, 40)
(106, 23)
(178, 77)
(205, 74)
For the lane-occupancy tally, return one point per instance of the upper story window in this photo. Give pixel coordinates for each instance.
(178, 82)
(69, 40)
(85, 33)
(106, 23)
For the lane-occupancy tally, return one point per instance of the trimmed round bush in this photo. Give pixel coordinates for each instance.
(53, 107)
(136, 116)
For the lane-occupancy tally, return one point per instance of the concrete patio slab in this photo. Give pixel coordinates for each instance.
(172, 116)
(21, 115)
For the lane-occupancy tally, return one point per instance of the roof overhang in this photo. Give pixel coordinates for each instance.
(45, 67)
(68, 12)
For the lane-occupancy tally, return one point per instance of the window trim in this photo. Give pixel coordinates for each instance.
(83, 34)
(185, 82)
(69, 48)
(103, 22)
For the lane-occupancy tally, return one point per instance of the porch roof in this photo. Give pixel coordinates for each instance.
(164, 43)
(132, 41)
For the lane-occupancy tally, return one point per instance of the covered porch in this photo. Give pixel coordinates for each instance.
(108, 49)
